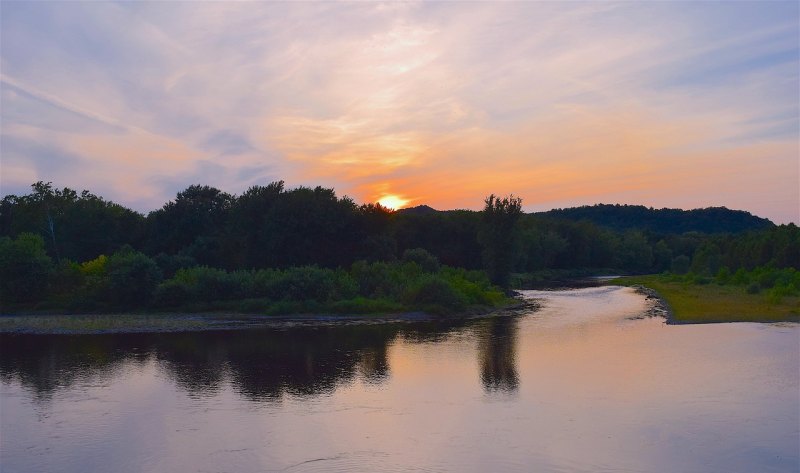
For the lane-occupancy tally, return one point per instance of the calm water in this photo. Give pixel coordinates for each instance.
(576, 386)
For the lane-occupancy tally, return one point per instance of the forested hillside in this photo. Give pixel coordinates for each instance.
(59, 239)
(624, 217)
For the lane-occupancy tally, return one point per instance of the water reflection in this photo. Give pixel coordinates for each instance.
(576, 386)
(261, 365)
(46, 364)
(497, 340)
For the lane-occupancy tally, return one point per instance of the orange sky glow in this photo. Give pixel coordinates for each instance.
(564, 104)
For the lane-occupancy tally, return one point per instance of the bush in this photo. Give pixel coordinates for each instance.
(741, 277)
(95, 268)
(310, 283)
(206, 284)
(425, 260)
(67, 285)
(132, 278)
(436, 292)
(767, 278)
(304, 283)
(25, 268)
(307, 283)
(473, 286)
(778, 292)
(680, 264)
(384, 280)
(170, 264)
(172, 293)
(700, 280)
(262, 283)
(723, 275)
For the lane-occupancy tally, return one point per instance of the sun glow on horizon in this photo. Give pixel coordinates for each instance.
(392, 202)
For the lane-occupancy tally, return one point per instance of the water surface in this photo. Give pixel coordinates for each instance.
(579, 385)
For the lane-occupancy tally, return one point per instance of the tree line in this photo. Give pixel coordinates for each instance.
(274, 228)
(625, 217)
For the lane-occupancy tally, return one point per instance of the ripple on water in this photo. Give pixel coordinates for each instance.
(574, 386)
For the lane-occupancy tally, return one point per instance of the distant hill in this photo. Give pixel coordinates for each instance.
(623, 217)
(418, 210)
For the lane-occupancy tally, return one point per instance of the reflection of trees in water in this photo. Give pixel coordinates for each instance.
(259, 364)
(497, 346)
(305, 361)
(48, 363)
(194, 362)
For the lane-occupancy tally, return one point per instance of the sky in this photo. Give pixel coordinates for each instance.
(665, 104)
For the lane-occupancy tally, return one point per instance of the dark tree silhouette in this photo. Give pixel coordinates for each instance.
(498, 234)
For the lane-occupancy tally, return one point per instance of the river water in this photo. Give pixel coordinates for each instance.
(580, 385)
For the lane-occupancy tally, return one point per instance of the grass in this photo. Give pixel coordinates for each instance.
(710, 303)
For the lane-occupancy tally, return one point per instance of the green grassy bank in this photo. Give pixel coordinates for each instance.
(710, 302)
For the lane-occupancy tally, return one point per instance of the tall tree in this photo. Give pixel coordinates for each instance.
(497, 235)
(191, 223)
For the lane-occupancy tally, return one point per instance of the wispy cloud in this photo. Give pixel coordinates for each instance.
(667, 104)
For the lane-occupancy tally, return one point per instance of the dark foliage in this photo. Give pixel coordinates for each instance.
(497, 235)
(25, 268)
(675, 221)
(308, 244)
(74, 226)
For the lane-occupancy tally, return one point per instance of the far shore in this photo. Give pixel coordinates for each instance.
(677, 303)
(87, 324)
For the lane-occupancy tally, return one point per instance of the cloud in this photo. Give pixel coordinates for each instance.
(439, 103)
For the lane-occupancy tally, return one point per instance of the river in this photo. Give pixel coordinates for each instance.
(584, 384)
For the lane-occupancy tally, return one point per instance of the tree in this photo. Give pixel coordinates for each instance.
(75, 226)
(132, 278)
(497, 235)
(24, 268)
(425, 260)
(197, 212)
(635, 253)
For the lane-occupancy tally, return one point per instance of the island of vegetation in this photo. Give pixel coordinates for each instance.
(277, 251)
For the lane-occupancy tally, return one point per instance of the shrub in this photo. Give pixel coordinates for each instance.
(753, 288)
(170, 264)
(24, 268)
(304, 283)
(680, 264)
(778, 292)
(768, 277)
(383, 280)
(699, 279)
(132, 278)
(95, 282)
(208, 284)
(741, 277)
(434, 291)
(262, 282)
(172, 293)
(425, 260)
(95, 268)
(723, 275)
(67, 286)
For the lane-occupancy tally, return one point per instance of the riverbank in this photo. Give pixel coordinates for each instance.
(82, 324)
(685, 303)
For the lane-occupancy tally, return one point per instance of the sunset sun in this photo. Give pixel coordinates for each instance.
(461, 236)
(392, 202)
